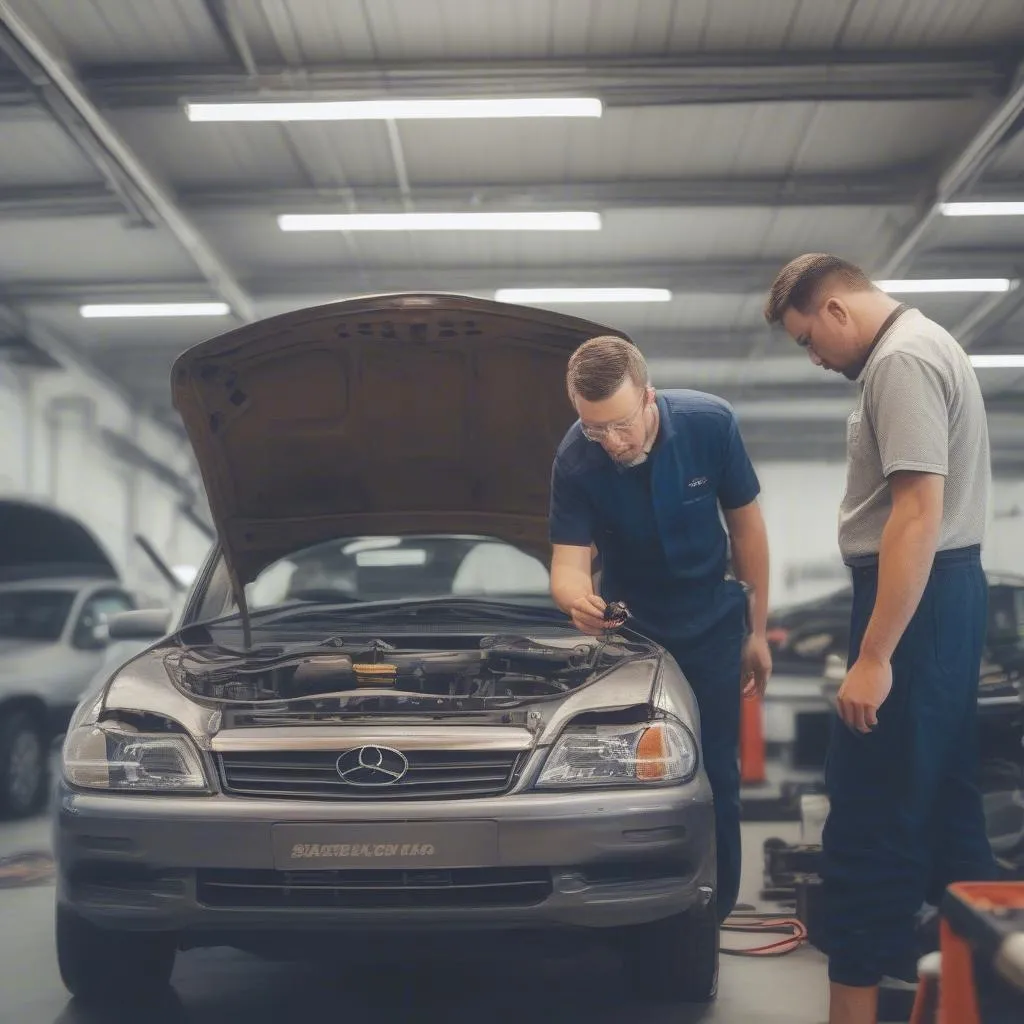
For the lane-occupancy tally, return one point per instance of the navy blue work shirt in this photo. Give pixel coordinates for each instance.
(664, 549)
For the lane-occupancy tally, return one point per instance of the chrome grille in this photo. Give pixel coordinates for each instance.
(390, 889)
(313, 775)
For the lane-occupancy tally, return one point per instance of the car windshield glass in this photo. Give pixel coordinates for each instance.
(369, 569)
(34, 614)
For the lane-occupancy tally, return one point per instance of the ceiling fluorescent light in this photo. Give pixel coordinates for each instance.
(534, 221)
(396, 109)
(156, 309)
(998, 361)
(990, 209)
(559, 295)
(965, 284)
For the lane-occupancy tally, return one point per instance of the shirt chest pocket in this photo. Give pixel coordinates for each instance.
(690, 527)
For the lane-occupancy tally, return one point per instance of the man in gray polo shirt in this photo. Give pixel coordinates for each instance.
(905, 815)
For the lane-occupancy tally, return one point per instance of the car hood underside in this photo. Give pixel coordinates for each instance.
(395, 414)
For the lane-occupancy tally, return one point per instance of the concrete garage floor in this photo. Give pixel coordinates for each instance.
(214, 986)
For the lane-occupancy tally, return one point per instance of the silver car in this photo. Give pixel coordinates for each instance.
(369, 720)
(57, 589)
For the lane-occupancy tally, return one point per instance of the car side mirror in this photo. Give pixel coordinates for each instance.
(141, 624)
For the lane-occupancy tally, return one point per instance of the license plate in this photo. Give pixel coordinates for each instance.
(406, 845)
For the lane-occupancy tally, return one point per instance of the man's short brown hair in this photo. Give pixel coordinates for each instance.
(800, 282)
(599, 367)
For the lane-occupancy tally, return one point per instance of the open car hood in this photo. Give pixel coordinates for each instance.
(387, 414)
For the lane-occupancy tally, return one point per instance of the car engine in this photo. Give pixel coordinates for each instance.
(495, 667)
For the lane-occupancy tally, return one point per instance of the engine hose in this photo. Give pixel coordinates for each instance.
(776, 924)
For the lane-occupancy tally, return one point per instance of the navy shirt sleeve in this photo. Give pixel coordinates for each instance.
(571, 520)
(739, 485)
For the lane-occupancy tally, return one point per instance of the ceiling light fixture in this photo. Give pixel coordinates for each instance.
(533, 221)
(998, 361)
(560, 295)
(988, 209)
(145, 309)
(939, 286)
(396, 109)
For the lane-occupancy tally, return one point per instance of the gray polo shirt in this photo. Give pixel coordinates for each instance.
(920, 408)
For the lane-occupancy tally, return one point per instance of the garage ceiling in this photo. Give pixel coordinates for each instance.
(733, 136)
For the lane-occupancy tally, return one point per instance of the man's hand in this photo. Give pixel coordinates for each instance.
(756, 665)
(864, 690)
(572, 587)
(587, 614)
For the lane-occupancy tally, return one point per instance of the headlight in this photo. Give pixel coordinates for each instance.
(113, 756)
(599, 755)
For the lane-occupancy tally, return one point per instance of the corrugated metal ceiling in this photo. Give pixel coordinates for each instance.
(322, 30)
(257, 154)
(34, 151)
(720, 141)
(254, 244)
(102, 31)
(292, 31)
(655, 142)
(95, 248)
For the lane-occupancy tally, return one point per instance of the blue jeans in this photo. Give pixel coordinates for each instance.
(906, 817)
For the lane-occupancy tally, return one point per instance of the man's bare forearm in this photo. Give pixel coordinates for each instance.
(905, 558)
(568, 586)
(571, 575)
(751, 565)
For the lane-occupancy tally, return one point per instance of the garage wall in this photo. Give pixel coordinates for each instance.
(801, 507)
(55, 448)
(800, 501)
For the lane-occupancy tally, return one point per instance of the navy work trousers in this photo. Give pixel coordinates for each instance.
(905, 817)
(712, 664)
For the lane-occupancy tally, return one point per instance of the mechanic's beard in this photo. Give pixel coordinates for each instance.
(629, 462)
(641, 457)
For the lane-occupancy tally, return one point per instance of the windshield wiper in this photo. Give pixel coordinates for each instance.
(441, 608)
(447, 608)
(456, 610)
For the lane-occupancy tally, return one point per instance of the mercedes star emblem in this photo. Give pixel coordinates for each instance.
(372, 766)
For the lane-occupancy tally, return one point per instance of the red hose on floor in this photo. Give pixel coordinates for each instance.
(776, 924)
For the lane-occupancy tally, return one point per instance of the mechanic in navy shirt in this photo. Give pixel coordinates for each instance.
(639, 480)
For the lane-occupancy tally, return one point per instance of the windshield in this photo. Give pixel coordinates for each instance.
(34, 614)
(364, 569)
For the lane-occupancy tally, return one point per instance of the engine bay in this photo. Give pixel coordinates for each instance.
(486, 668)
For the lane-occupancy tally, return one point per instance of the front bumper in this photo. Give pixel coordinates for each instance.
(196, 865)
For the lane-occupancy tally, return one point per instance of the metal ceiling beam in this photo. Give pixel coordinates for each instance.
(52, 75)
(297, 285)
(294, 286)
(121, 192)
(897, 187)
(989, 315)
(891, 189)
(894, 188)
(62, 352)
(960, 175)
(231, 32)
(641, 80)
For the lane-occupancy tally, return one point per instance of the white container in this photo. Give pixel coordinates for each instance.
(813, 812)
